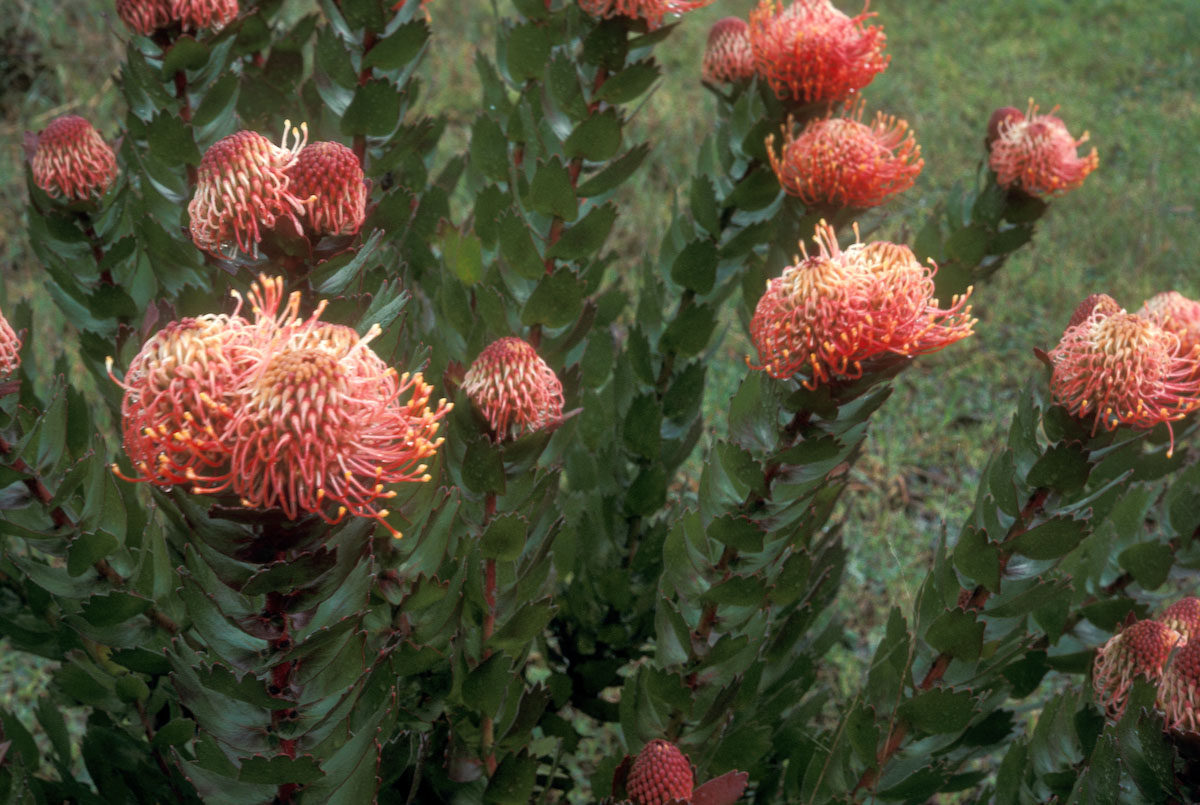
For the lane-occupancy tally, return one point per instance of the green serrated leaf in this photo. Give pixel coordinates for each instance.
(1056, 537)
(587, 236)
(556, 301)
(617, 171)
(695, 267)
(1148, 562)
(631, 82)
(171, 140)
(551, 192)
(528, 50)
(643, 426)
(937, 712)
(689, 332)
(489, 149)
(597, 138)
(400, 47)
(957, 633)
(374, 110)
(504, 538)
(279, 770)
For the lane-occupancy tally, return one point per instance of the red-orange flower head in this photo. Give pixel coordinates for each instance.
(72, 161)
(652, 11)
(1184, 617)
(1140, 649)
(1118, 368)
(145, 16)
(659, 774)
(328, 179)
(842, 162)
(833, 310)
(811, 52)
(1179, 690)
(728, 57)
(242, 186)
(317, 423)
(10, 349)
(1176, 314)
(515, 389)
(1036, 154)
(176, 404)
(197, 14)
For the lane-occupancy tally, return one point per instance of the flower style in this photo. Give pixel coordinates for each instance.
(10, 349)
(328, 180)
(833, 310)
(842, 162)
(242, 187)
(1118, 368)
(1036, 154)
(728, 57)
(145, 16)
(1184, 617)
(317, 420)
(1176, 314)
(1140, 649)
(652, 11)
(1179, 691)
(810, 52)
(197, 14)
(176, 404)
(514, 388)
(72, 161)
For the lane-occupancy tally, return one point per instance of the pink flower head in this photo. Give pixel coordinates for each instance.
(1140, 649)
(177, 395)
(652, 11)
(810, 52)
(1176, 314)
(833, 310)
(317, 423)
(1036, 154)
(328, 179)
(10, 349)
(1184, 617)
(514, 388)
(1118, 368)
(242, 186)
(197, 14)
(728, 57)
(145, 16)
(660, 774)
(842, 162)
(72, 161)
(1179, 691)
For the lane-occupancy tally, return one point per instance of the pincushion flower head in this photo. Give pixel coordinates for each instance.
(834, 310)
(515, 389)
(242, 188)
(1184, 617)
(1118, 368)
(660, 773)
(728, 57)
(176, 404)
(842, 162)
(1176, 314)
(145, 16)
(652, 11)
(1179, 690)
(317, 423)
(811, 52)
(197, 14)
(1037, 155)
(1140, 649)
(10, 349)
(72, 161)
(328, 180)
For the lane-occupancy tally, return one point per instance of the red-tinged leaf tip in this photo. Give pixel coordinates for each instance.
(722, 790)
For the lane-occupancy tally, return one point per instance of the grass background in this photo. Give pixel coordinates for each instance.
(1124, 69)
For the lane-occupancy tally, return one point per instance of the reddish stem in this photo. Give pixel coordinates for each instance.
(364, 75)
(488, 727)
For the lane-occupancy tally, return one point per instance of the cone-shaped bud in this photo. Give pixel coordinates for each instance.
(1184, 617)
(72, 161)
(1179, 690)
(145, 16)
(1004, 116)
(176, 406)
(652, 11)
(842, 162)
(728, 57)
(515, 389)
(1176, 314)
(660, 773)
(833, 310)
(197, 14)
(1100, 303)
(811, 52)
(318, 424)
(328, 179)
(1140, 649)
(1118, 368)
(242, 186)
(1036, 154)
(10, 349)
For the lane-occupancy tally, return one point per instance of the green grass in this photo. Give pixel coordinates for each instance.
(1123, 69)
